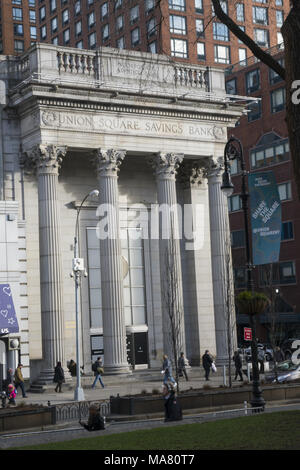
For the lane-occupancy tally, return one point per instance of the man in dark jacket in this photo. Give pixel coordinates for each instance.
(207, 362)
(173, 410)
(278, 354)
(59, 377)
(238, 365)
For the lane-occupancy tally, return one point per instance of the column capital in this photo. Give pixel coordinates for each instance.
(191, 174)
(43, 159)
(108, 161)
(166, 164)
(214, 167)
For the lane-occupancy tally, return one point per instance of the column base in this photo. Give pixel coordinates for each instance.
(117, 370)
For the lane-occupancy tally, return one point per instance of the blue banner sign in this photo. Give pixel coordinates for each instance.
(8, 318)
(265, 211)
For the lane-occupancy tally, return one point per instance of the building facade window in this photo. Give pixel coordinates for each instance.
(252, 81)
(43, 32)
(239, 276)
(32, 16)
(177, 24)
(54, 25)
(261, 37)
(33, 33)
(222, 54)
(65, 17)
(243, 56)
(277, 100)
(18, 30)
(240, 12)
(234, 203)
(53, 6)
(282, 273)
(19, 46)
(179, 48)
(135, 36)
(92, 40)
(151, 27)
(178, 5)
(231, 87)
(105, 32)
(199, 6)
(77, 7)
(54, 41)
(152, 47)
(287, 231)
(224, 7)
(78, 28)
(91, 20)
(260, 15)
(201, 51)
(278, 152)
(18, 14)
(149, 6)
(285, 191)
(200, 28)
(66, 36)
(119, 23)
(238, 238)
(79, 44)
(120, 43)
(273, 76)
(104, 11)
(279, 18)
(134, 14)
(254, 111)
(220, 32)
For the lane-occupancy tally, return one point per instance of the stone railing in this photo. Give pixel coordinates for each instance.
(133, 71)
(77, 62)
(191, 76)
(74, 411)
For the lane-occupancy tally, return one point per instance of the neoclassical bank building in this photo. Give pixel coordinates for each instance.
(118, 154)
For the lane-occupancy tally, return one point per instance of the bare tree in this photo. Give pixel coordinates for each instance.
(173, 308)
(290, 73)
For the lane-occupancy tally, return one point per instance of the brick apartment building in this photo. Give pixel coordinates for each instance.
(181, 28)
(264, 136)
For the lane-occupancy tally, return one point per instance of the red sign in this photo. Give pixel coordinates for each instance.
(247, 334)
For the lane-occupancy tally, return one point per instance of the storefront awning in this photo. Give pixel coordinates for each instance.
(8, 318)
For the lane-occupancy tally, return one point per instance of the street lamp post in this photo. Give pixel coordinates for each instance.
(234, 151)
(79, 270)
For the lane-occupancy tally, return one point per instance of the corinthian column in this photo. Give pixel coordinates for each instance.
(165, 166)
(223, 286)
(114, 331)
(46, 161)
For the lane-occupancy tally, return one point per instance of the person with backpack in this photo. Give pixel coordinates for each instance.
(98, 370)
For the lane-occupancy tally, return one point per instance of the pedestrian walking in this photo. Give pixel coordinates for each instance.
(72, 368)
(261, 359)
(182, 366)
(59, 377)
(238, 365)
(11, 394)
(207, 361)
(167, 371)
(9, 379)
(173, 411)
(19, 380)
(98, 370)
(278, 354)
(95, 420)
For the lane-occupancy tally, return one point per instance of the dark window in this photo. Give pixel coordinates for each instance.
(287, 231)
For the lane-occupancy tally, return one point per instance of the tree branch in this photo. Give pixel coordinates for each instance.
(257, 51)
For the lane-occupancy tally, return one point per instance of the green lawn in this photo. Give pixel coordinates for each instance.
(280, 430)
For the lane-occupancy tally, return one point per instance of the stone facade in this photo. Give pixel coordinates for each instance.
(93, 120)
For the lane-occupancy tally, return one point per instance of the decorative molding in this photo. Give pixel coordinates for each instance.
(43, 159)
(108, 161)
(191, 173)
(166, 164)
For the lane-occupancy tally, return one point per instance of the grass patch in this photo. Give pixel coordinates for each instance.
(270, 431)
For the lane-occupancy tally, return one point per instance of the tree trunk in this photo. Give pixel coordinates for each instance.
(291, 35)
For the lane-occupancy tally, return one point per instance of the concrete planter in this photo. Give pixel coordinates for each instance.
(27, 418)
(201, 399)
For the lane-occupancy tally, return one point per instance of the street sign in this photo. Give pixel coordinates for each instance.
(247, 334)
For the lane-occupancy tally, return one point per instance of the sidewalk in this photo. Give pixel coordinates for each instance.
(139, 382)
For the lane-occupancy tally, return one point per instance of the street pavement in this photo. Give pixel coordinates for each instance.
(137, 383)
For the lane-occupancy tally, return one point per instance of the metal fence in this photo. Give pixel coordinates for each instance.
(74, 411)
